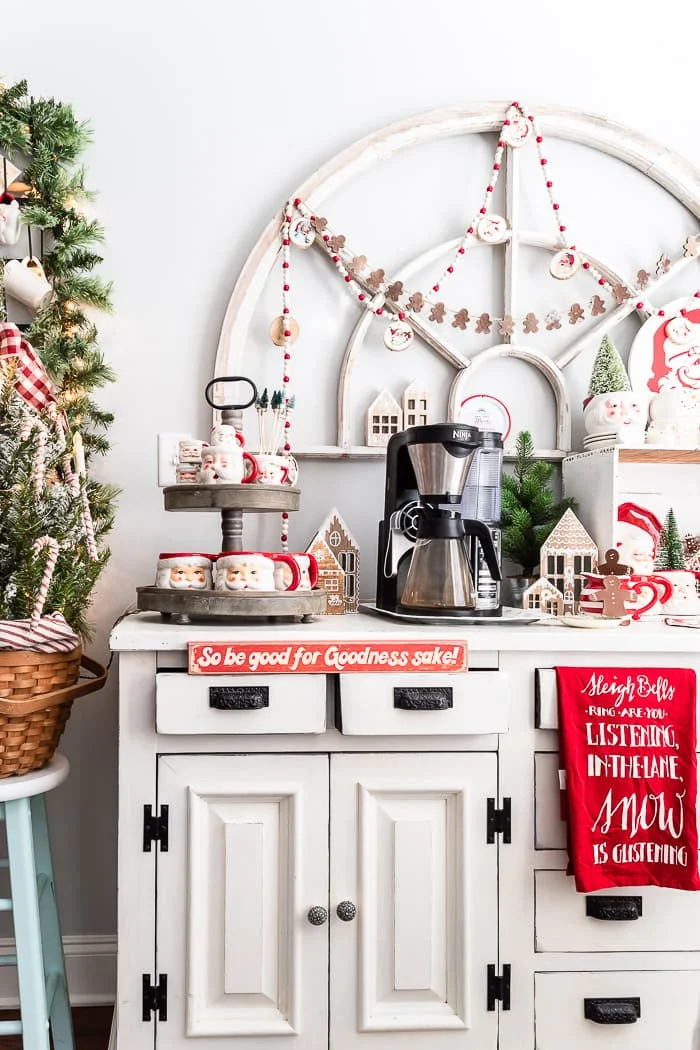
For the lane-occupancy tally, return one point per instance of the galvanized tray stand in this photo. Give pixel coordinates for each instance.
(231, 501)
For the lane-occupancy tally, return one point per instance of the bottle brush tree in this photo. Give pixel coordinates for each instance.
(670, 554)
(609, 375)
(529, 510)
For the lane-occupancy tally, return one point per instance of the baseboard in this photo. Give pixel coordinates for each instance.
(91, 967)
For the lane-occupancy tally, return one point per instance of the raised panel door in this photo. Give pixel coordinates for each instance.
(247, 859)
(408, 849)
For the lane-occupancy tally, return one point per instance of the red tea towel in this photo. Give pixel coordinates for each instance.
(628, 770)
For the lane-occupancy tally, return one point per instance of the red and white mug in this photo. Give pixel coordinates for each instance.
(307, 567)
(253, 571)
(644, 593)
(185, 571)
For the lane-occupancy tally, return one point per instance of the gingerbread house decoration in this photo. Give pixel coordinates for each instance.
(544, 598)
(384, 418)
(565, 556)
(415, 405)
(335, 548)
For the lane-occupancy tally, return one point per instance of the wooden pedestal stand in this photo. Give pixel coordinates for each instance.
(231, 501)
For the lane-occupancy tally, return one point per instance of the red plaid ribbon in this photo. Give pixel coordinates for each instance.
(31, 381)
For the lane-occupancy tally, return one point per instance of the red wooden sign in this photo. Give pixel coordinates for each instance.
(443, 656)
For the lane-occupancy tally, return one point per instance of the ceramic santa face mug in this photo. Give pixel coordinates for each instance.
(307, 575)
(25, 281)
(684, 599)
(644, 593)
(276, 470)
(224, 434)
(624, 414)
(227, 463)
(246, 571)
(186, 571)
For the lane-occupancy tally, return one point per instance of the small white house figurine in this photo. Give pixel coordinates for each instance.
(384, 418)
(415, 405)
(335, 539)
(565, 556)
(544, 598)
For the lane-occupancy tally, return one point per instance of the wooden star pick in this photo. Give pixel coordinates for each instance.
(506, 325)
(461, 319)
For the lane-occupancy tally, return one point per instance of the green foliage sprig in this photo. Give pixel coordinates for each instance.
(528, 508)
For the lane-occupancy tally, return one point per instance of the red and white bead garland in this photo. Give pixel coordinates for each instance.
(485, 226)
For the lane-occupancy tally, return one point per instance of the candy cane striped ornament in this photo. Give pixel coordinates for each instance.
(52, 544)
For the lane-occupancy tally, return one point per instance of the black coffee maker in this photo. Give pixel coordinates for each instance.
(425, 545)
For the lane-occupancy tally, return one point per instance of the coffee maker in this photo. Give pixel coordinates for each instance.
(427, 549)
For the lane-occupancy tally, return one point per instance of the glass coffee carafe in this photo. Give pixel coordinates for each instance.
(439, 575)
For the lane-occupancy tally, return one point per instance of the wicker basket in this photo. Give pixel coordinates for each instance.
(37, 691)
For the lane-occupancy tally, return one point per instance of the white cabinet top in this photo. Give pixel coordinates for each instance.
(148, 632)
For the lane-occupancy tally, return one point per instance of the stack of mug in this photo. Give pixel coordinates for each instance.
(225, 460)
(235, 572)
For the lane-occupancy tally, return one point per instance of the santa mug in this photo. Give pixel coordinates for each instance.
(251, 571)
(684, 599)
(276, 470)
(184, 571)
(227, 463)
(285, 576)
(224, 434)
(644, 593)
(189, 450)
(623, 414)
(25, 281)
(10, 225)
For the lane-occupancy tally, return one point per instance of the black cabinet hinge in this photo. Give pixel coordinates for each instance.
(497, 821)
(155, 828)
(497, 988)
(154, 997)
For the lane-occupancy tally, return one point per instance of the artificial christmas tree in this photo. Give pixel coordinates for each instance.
(670, 553)
(529, 510)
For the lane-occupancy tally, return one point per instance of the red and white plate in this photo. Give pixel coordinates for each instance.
(665, 353)
(485, 412)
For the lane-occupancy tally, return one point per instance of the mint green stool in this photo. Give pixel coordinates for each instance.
(41, 972)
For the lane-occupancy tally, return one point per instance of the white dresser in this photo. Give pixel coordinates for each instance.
(375, 860)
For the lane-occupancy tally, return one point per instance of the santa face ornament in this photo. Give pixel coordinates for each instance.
(565, 264)
(398, 335)
(623, 415)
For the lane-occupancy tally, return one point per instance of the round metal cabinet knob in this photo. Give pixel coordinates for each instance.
(346, 911)
(317, 916)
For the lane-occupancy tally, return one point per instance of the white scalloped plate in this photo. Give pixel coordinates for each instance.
(596, 623)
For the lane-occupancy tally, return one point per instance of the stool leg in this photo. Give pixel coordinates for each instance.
(59, 1009)
(25, 908)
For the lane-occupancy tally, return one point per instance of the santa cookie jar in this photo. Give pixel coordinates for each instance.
(675, 419)
(622, 417)
(637, 537)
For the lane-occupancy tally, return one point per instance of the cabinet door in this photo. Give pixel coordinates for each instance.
(408, 848)
(247, 858)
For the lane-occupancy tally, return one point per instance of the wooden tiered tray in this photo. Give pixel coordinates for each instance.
(185, 606)
(231, 497)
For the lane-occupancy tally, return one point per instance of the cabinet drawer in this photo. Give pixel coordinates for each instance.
(475, 703)
(666, 1000)
(246, 703)
(550, 830)
(567, 921)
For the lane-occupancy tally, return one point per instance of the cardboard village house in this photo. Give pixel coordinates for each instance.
(338, 557)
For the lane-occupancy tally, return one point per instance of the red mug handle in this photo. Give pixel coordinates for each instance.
(251, 471)
(651, 583)
(313, 570)
(291, 562)
(240, 439)
(665, 585)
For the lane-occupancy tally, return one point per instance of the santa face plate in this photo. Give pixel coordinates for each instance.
(398, 335)
(492, 229)
(565, 264)
(665, 353)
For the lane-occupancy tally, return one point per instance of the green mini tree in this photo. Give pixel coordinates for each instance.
(609, 375)
(529, 510)
(669, 554)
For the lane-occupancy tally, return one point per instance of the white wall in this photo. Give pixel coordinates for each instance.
(201, 129)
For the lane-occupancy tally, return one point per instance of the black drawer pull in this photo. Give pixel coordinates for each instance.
(239, 697)
(614, 909)
(423, 698)
(612, 1011)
